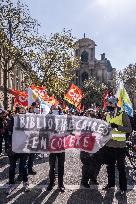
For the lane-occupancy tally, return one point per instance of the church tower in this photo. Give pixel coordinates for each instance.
(90, 66)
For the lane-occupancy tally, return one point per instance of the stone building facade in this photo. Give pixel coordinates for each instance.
(16, 79)
(90, 66)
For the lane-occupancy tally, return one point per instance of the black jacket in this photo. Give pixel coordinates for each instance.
(8, 133)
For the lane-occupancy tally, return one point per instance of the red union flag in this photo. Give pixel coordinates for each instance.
(21, 97)
(105, 96)
(74, 95)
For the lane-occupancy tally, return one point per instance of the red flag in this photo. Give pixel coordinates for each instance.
(105, 96)
(74, 95)
(21, 97)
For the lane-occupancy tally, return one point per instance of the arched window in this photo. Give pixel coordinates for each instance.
(84, 56)
(84, 76)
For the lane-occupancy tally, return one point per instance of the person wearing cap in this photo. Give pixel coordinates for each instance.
(116, 147)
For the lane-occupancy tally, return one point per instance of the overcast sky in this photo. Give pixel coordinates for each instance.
(110, 23)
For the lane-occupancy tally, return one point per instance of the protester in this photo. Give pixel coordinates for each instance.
(52, 160)
(56, 162)
(91, 162)
(9, 123)
(13, 157)
(4, 130)
(17, 108)
(87, 161)
(116, 151)
(33, 109)
(133, 121)
(112, 152)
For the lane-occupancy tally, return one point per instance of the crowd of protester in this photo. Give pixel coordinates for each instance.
(113, 152)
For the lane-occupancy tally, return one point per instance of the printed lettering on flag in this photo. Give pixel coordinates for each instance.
(74, 95)
(20, 97)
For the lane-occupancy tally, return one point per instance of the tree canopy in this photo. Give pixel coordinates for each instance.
(58, 63)
(128, 76)
(52, 59)
(93, 91)
(19, 39)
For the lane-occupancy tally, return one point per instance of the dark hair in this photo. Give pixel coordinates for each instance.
(33, 104)
(10, 112)
(29, 110)
(17, 109)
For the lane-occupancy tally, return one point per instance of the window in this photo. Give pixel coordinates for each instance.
(84, 76)
(17, 71)
(84, 56)
(17, 84)
(92, 72)
(109, 84)
(22, 76)
(11, 82)
(92, 53)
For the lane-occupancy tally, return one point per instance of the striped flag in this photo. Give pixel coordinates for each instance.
(33, 96)
(124, 101)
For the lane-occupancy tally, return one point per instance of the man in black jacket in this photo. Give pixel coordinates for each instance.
(91, 162)
(13, 157)
(60, 157)
(31, 156)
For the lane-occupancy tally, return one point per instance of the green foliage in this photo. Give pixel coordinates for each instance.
(18, 33)
(58, 62)
(93, 91)
(19, 39)
(128, 76)
(52, 59)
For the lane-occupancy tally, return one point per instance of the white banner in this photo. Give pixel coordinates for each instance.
(39, 133)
